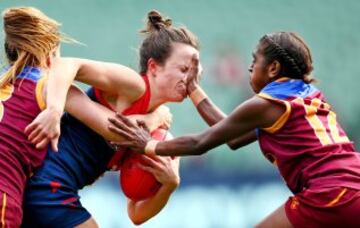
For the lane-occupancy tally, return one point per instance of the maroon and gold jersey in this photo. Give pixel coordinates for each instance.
(20, 103)
(306, 143)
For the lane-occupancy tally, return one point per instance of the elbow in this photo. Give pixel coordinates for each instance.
(233, 146)
(137, 220)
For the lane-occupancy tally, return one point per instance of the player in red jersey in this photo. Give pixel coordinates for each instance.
(297, 131)
(52, 199)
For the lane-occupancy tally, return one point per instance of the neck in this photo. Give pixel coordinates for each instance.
(156, 99)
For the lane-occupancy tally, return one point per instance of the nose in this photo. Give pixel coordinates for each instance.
(250, 69)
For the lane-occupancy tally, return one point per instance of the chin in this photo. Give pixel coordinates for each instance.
(178, 99)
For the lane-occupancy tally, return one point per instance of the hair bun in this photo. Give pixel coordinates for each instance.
(156, 22)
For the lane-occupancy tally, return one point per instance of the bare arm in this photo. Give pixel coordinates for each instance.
(95, 116)
(253, 113)
(212, 115)
(166, 171)
(110, 77)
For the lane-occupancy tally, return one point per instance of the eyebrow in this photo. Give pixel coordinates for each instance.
(253, 54)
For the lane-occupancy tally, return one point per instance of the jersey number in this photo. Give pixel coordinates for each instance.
(327, 133)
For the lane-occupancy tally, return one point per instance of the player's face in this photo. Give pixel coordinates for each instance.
(258, 71)
(173, 74)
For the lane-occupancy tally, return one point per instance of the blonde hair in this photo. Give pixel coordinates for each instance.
(30, 37)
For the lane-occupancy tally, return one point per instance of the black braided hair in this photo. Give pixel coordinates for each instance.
(292, 53)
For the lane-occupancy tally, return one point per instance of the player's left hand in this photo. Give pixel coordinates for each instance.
(136, 135)
(45, 128)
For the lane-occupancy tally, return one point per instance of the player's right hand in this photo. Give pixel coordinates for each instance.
(45, 128)
(136, 135)
(194, 74)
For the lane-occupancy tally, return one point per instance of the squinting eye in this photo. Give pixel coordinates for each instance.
(184, 69)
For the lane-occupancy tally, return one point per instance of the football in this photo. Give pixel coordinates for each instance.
(136, 183)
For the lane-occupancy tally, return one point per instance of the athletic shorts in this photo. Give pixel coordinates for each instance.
(49, 203)
(10, 211)
(333, 207)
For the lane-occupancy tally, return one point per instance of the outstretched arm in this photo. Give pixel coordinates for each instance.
(252, 114)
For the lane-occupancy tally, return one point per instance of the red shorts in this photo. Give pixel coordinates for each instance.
(10, 211)
(333, 207)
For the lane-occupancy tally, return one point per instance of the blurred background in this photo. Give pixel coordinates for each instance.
(223, 188)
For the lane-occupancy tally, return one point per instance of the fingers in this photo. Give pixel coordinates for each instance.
(124, 119)
(119, 124)
(54, 143)
(143, 125)
(118, 128)
(29, 128)
(125, 144)
(39, 137)
(150, 161)
(195, 60)
(44, 142)
(34, 132)
(148, 169)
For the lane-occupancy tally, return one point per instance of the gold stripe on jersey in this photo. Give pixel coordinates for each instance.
(334, 129)
(336, 199)
(5, 94)
(40, 98)
(314, 121)
(3, 210)
(279, 123)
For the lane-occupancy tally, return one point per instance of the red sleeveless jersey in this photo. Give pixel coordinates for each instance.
(140, 106)
(20, 103)
(307, 144)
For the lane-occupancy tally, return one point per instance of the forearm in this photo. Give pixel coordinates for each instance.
(96, 116)
(243, 140)
(181, 146)
(211, 114)
(61, 76)
(92, 114)
(141, 211)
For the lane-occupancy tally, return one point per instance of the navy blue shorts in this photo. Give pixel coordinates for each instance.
(49, 203)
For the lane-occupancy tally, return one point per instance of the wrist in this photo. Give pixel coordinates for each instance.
(171, 186)
(197, 96)
(55, 110)
(150, 147)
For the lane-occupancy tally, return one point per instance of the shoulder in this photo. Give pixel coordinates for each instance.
(266, 111)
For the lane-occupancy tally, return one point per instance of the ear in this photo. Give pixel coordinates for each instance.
(53, 54)
(49, 61)
(274, 69)
(152, 67)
